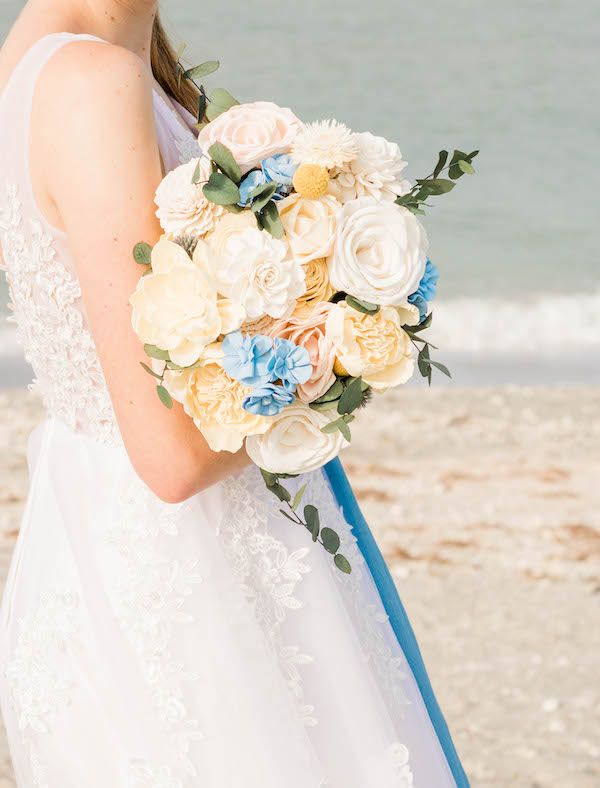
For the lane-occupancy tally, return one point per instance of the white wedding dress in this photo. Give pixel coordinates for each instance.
(205, 644)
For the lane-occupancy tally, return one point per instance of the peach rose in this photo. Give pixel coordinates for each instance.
(309, 332)
(252, 132)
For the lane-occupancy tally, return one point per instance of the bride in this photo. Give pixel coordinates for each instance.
(162, 624)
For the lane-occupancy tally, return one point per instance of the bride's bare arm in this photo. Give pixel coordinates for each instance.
(96, 163)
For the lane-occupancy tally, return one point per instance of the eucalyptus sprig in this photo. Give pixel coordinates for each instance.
(312, 522)
(425, 363)
(460, 164)
(219, 101)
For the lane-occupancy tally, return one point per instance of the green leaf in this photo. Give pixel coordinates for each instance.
(164, 396)
(331, 541)
(261, 195)
(352, 397)
(201, 107)
(342, 563)
(156, 352)
(362, 306)
(437, 186)
(313, 523)
(332, 427)
(442, 368)
(421, 327)
(203, 70)
(467, 168)
(323, 407)
(269, 220)
(298, 497)
(345, 429)
(221, 190)
(150, 371)
(333, 393)
(289, 516)
(220, 101)
(280, 491)
(442, 159)
(142, 253)
(196, 174)
(270, 478)
(223, 158)
(423, 362)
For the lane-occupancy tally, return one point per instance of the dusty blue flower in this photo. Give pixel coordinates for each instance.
(280, 169)
(268, 400)
(248, 359)
(426, 290)
(292, 364)
(251, 181)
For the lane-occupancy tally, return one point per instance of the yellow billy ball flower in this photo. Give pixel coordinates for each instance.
(311, 181)
(339, 368)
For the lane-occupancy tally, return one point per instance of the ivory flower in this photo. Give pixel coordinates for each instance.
(257, 275)
(215, 403)
(310, 225)
(182, 207)
(308, 331)
(375, 172)
(380, 252)
(228, 227)
(294, 443)
(177, 308)
(252, 132)
(372, 346)
(325, 142)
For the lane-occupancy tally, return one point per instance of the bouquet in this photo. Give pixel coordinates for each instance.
(292, 284)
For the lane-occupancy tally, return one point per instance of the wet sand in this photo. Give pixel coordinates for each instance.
(486, 503)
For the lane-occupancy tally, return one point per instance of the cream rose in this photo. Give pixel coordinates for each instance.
(182, 207)
(294, 443)
(252, 132)
(177, 308)
(380, 252)
(257, 274)
(214, 401)
(309, 332)
(310, 225)
(227, 228)
(372, 346)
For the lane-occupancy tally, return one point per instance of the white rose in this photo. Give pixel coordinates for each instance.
(375, 172)
(252, 132)
(374, 347)
(256, 274)
(177, 308)
(228, 227)
(182, 207)
(309, 225)
(294, 442)
(380, 252)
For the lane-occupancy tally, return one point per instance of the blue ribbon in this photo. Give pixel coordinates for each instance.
(335, 474)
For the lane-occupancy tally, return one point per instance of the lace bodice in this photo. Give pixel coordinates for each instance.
(46, 303)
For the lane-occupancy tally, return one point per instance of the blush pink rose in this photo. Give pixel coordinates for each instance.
(308, 330)
(252, 132)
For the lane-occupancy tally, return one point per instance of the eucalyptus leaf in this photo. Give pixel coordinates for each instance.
(261, 195)
(150, 371)
(270, 478)
(423, 362)
(323, 407)
(342, 563)
(201, 112)
(196, 176)
(362, 306)
(332, 427)
(313, 523)
(164, 396)
(331, 541)
(221, 190)
(157, 353)
(334, 392)
(352, 397)
(298, 497)
(437, 186)
(442, 368)
(442, 159)
(345, 429)
(142, 253)
(203, 70)
(220, 101)
(269, 220)
(288, 515)
(223, 158)
(280, 491)
(466, 167)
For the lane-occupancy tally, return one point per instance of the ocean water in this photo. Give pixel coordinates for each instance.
(517, 243)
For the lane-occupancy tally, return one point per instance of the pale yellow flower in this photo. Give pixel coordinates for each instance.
(310, 225)
(318, 286)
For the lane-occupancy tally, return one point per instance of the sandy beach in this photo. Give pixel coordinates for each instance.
(487, 505)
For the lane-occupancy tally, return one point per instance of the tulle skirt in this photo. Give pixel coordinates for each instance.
(208, 643)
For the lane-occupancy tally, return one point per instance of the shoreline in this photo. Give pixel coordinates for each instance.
(486, 504)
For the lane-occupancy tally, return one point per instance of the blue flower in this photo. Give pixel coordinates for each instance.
(280, 169)
(251, 181)
(426, 290)
(292, 364)
(268, 400)
(248, 359)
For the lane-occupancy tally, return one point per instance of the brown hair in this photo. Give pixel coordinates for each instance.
(167, 72)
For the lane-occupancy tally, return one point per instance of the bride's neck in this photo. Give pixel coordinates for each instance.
(127, 23)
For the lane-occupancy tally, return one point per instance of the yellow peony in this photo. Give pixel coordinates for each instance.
(318, 286)
(372, 346)
(177, 307)
(214, 401)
